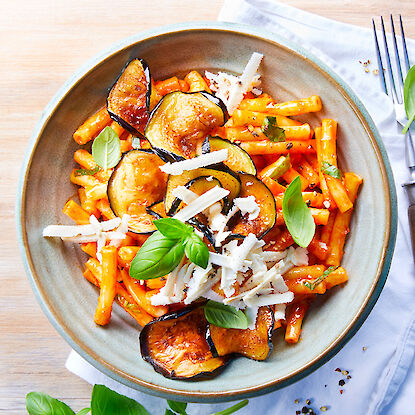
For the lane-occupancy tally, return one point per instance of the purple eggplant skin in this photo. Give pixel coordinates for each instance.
(116, 117)
(198, 330)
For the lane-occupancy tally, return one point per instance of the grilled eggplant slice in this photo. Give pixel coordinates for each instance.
(176, 346)
(227, 178)
(252, 186)
(136, 183)
(157, 210)
(132, 97)
(238, 159)
(255, 344)
(180, 122)
(199, 185)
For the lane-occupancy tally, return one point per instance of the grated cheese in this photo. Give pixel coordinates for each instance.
(201, 203)
(230, 88)
(248, 205)
(178, 167)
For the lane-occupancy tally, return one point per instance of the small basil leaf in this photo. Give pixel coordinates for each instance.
(168, 412)
(297, 215)
(105, 401)
(409, 97)
(331, 170)
(233, 408)
(38, 403)
(313, 284)
(84, 411)
(225, 316)
(86, 172)
(106, 148)
(173, 228)
(196, 250)
(271, 130)
(179, 407)
(157, 257)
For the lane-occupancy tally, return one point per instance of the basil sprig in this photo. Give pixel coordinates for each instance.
(106, 148)
(409, 97)
(225, 316)
(271, 130)
(177, 407)
(105, 401)
(297, 215)
(87, 172)
(331, 170)
(313, 284)
(163, 251)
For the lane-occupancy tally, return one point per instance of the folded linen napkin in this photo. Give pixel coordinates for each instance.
(380, 357)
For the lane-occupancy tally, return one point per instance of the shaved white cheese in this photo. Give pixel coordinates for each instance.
(203, 160)
(279, 312)
(269, 299)
(201, 281)
(298, 256)
(252, 314)
(248, 205)
(114, 230)
(273, 256)
(215, 217)
(239, 253)
(230, 88)
(245, 82)
(201, 203)
(183, 278)
(222, 233)
(183, 193)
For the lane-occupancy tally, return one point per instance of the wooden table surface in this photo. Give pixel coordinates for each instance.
(42, 43)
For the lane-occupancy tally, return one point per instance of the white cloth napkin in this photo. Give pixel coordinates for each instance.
(382, 375)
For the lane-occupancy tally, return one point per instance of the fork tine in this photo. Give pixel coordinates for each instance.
(398, 59)
(405, 50)
(388, 61)
(379, 58)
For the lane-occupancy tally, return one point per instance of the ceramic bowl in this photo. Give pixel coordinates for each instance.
(55, 268)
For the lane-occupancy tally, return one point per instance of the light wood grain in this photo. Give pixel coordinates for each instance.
(42, 43)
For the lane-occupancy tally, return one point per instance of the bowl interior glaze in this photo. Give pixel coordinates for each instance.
(55, 268)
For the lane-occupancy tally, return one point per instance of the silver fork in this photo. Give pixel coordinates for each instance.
(395, 91)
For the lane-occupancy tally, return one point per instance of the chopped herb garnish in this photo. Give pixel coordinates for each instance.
(331, 170)
(272, 131)
(313, 284)
(87, 172)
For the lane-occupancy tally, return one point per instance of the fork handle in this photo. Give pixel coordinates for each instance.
(410, 191)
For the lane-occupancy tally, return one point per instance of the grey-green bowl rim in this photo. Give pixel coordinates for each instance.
(183, 395)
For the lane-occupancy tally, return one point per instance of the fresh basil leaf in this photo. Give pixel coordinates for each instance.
(313, 284)
(106, 148)
(331, 170)
(233, 408)
(271, 130)
(105, 401)
(196, 250)
(38, 403)
(173, 228)
(86, 172)
(297, 215)
(169, 412)
(409, 97)
(178, 407)
(136, 143)
(157, 257)
(84, 411)
(225, 316)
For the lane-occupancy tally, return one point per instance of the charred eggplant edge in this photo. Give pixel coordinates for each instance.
(115, 117)
(146, 355)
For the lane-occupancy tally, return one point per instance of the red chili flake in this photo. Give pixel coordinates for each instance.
(341, 391)
(349, 377)
(337, 370)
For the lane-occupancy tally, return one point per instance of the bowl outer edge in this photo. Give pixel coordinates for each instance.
(48, 112)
